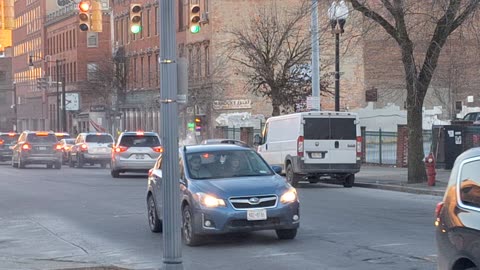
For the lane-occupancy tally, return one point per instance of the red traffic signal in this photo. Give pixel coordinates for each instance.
(84, 6)
(84, 15)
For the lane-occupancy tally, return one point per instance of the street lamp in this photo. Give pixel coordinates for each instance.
(57, 68)
(337, 13)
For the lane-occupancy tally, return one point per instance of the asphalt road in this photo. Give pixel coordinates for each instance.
(57, 219)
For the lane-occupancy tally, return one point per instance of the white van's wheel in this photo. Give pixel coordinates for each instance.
(349, 181)
(292, 177)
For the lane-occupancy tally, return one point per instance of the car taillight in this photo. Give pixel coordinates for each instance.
(359, 146)
(300, 146)
(120, 149)
(2, 142)
(83, 147)
(158, 149)
(26, 146)
(438, 209)
(58, 147)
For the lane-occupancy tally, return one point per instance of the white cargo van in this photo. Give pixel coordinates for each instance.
(312, 145)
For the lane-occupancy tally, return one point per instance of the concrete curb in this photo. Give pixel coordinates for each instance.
(402, 189)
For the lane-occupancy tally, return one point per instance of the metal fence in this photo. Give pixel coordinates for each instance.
(381, 146)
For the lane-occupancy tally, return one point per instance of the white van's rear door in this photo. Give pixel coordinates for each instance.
(330, 139)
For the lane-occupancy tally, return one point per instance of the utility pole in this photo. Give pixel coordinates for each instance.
(64, 109)
(15, 123)
(58, 93)
(315, 58)
(172, 241)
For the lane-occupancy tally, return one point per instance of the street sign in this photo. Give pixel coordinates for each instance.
(313, 103)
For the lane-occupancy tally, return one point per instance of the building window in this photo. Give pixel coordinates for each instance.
(134, 72)
(156, 20)
(207, 62)
(199, 62)
(181, 20)
(3, 76)
(190, 63)
(91, 71)
(121, 31)
(92, 39)
(141, 24)
(157, 74)
(74, 43)
(141, 72)
(148, 22)
(149, 70)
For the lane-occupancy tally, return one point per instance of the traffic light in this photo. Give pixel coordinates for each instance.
(84, 16)
(96, 16)
(194, 18)
(198, 123)
(136, 18)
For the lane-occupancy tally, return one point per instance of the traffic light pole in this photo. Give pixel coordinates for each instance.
(315, 57)
(172, 241)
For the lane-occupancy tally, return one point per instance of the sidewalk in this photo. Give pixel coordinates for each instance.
(395, 179)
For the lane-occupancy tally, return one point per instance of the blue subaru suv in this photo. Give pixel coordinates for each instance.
(226, 188)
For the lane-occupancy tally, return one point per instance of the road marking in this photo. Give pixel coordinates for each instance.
(277, 254)
(390, 245)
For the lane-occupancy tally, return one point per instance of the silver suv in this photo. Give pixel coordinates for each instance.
(91, 148)
(37, 147)
(135, 152)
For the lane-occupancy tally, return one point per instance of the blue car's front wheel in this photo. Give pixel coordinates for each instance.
(189, 235)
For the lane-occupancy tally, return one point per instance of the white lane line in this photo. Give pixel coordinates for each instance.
(277, 254)
(390, 245)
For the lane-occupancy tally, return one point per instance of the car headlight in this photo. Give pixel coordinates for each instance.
(210, 200)
(289, 196)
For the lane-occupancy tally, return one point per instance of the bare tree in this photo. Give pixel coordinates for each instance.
(403, 20)
(106, 78)
(273, 51)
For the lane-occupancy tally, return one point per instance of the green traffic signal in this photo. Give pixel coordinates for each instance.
(136, 29)
(195, 29)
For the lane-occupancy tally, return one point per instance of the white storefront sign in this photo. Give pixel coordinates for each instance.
(232, 104)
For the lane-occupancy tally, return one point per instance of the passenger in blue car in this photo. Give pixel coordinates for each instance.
(196, 169)
(235, 167)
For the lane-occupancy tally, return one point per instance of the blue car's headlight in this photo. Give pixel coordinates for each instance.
(210, 200)
(289, 196)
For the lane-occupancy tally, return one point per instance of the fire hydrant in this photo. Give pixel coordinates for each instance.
(430, 166)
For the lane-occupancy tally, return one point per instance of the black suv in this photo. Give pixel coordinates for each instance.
(458, 216)
(37, 147)
(7, 140)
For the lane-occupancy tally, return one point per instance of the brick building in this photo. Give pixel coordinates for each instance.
(48, 33)
(211, 77)
(80, 55)
(28, 39)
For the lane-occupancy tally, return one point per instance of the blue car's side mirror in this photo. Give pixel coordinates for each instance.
(277, 169)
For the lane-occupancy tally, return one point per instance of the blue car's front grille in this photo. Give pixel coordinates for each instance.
(248, 202)
(254, 223)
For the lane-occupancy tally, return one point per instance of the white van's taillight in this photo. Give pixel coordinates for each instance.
(359, 146)
(300, 147)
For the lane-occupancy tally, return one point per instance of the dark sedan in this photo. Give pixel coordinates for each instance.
(7, 140)
(226, 188)
(458, 216)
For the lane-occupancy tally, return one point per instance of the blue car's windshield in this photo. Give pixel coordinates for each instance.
(226, 164)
